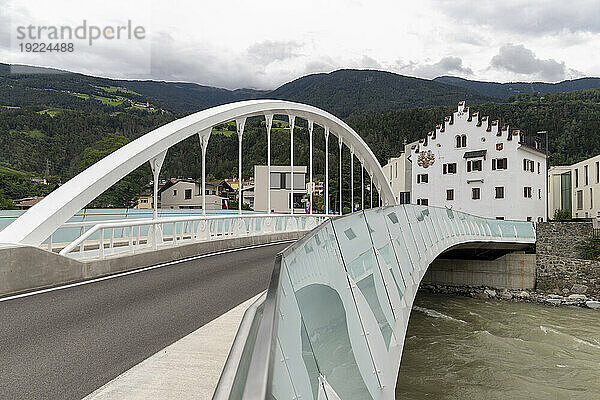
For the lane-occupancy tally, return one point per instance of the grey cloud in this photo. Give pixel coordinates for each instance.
(268, 51)
(368, 62)
(447, 65)
(539, 17)
(520, 60)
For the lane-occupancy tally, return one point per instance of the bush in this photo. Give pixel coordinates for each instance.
(589, 249)
(562, 215)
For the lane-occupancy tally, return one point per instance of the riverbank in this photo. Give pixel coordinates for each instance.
(532, 296)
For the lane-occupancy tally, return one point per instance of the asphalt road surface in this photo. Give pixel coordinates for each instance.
(65, 344)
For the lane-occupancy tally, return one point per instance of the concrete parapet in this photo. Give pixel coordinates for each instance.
(511, 271)
(26, 268)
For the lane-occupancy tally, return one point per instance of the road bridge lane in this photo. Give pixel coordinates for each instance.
(64, 344)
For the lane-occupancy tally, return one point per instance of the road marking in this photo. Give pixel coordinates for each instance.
(135, 271)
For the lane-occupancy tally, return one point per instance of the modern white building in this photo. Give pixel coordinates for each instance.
(280, 184)
(398, 172)
(576, 188)
(472, 164)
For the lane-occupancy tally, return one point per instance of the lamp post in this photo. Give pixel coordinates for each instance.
(547, 177)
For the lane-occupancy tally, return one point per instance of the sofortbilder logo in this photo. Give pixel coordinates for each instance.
(62, 38)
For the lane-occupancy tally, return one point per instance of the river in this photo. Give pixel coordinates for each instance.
(464, 348)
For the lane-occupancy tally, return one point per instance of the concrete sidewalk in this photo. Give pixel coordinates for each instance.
(188, 369)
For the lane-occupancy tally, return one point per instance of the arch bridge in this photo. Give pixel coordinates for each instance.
(333, 321)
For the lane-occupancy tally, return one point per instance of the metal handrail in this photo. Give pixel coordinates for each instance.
(116, 224)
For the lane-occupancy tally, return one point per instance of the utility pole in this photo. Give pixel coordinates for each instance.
(547, 176)
(47, 172)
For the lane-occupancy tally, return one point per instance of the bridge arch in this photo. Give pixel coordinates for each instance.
(40, 221)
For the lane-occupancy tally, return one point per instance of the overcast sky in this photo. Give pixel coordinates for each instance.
(264, 43)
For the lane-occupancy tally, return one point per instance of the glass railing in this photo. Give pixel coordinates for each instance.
(337, 308)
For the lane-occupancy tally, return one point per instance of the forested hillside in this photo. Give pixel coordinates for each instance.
(504, 91)
(66, 129)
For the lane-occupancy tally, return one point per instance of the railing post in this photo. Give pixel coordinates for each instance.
(101, 244)
(240, 123)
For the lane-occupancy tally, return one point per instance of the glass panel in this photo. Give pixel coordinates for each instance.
(330, 315)
(382, 241)
(358, 255)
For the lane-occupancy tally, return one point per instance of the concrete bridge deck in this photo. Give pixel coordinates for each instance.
(66, 343)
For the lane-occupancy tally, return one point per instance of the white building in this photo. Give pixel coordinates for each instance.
(187, 194)
(398, 172)
(477, 166)
(280, 187)
(576, 188)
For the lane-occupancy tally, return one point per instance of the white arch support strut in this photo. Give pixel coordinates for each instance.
(41, 220)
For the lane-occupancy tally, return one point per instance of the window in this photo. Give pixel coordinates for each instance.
(580, 199)
(576, 177)
(404, 198)
(422, 178)
(476, 193)
(528, 165)
(396, 170)
(422, 202)
(500, 192)
(450, 168)
(144, 201)
(499, 163)
(450, 194)
(528, 219)
(540, 194)
(597, 172)
(538, 167)
(591, 198)
(585, 175)
(461, 141)
(474, 165)
(500, 218)
(174, 192)
(527, 192)
(188, 194)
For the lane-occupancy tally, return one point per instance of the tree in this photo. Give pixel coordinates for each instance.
(6, 204)
(124, 193)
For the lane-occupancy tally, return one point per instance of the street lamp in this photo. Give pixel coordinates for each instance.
(547, 177)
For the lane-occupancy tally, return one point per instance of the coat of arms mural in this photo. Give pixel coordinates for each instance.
(426, 159)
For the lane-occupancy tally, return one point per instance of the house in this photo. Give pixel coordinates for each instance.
(576, 188)
(472, 164)
(280, 186)
(145, 199)
(187, 194)
(27, 202)
(398, 171)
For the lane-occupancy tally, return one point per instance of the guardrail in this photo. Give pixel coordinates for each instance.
(333, 322)
(104, 238)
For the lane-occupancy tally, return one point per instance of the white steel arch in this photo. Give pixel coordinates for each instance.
(40, 221)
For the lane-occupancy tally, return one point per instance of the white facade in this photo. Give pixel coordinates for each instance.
(280, 187)
(398, 172)
(576, 188)
(187, 194)
(475, 165)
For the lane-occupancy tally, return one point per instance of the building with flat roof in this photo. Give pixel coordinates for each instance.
(398, 171)
(472, 164)
(576, 188)
(280, 185)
